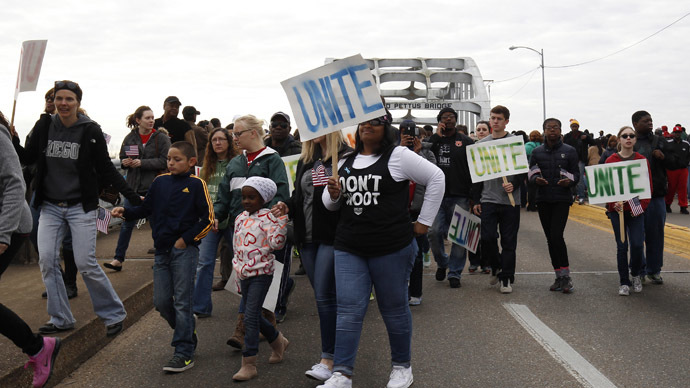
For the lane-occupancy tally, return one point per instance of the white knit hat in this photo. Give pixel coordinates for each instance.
(266, 187)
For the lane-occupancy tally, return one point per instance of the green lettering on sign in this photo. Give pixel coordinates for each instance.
(631, 179)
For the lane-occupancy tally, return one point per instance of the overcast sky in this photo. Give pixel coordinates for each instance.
(228, 58)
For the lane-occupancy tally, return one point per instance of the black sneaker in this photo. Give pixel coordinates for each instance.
(71, 290)
(684, 210)
(440, 274)
(454, 282)
(557, 285)
(567, 285)
(178, 364)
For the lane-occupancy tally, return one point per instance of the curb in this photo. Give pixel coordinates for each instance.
(79, 345)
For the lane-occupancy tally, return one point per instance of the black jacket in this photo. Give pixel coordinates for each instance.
(323, 221)
(291, 146)
(96, 170)
(646, 145)
(550, 161)
(581, 145)
(456, 170)
(676, 155)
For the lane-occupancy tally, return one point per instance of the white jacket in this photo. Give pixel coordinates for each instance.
(256, 237)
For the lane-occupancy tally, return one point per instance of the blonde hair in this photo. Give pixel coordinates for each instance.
(308, 147)
(618, 147)
(253, 123)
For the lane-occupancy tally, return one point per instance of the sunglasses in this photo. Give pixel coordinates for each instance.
(377, 121)
(627, 136)
(281, 124)
(66, 85)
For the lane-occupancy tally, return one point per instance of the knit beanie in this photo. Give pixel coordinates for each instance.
(266, 187)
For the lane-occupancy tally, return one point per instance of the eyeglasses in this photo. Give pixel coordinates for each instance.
(237, 135)
(377, 121)
(281, 124)
(627, 136)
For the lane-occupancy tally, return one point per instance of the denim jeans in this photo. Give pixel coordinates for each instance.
(70, 274)
(634, 228)
(53, 225)
(455, 262)
(417, 274)
(553, 217)
(506, 220)
(126, 228)
(254, 290)
(654, 223)
(208, 250)
(283, 256)
(173, 290)
(581, 187)
(354, 276)
(318, 261)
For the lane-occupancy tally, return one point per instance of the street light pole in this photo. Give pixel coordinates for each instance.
(543, 83)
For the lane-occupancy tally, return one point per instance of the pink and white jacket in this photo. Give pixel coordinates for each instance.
(256, 237)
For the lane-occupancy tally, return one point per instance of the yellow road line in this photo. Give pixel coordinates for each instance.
(676, 238)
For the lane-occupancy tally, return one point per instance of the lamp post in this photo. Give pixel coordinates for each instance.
(543, 86)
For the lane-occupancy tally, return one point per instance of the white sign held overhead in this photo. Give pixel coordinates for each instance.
(334, 96)
(30, 62)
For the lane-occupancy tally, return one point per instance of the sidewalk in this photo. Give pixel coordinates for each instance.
(21, 287)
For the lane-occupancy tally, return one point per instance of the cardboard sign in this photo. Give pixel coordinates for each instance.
(334, 96)
(30, 62)
(465, 229)
(618, 181)
(291, 169)
(233, 285)
(497, 158)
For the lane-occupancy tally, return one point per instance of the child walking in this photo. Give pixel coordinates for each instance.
(257, 233)
(181, 214)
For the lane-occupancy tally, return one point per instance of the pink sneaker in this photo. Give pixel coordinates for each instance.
(43, 362)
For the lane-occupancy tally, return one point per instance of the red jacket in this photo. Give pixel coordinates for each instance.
(626, 206)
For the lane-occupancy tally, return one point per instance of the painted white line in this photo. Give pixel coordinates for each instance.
(572, 361)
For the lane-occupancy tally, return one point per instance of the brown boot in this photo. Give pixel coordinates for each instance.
(279, 345)
(248, 370)
(269, 317)
(237, 339)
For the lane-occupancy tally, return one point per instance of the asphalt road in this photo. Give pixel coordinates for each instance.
(468, 337)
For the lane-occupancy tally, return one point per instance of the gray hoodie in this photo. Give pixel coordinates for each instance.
(15, 215)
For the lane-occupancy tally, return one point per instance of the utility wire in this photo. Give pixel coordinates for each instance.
(523, 86)
(621, 50)
(519, 76)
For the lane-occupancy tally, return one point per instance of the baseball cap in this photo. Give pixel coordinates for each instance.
(172, 99)
(190, 110)
(281, 114)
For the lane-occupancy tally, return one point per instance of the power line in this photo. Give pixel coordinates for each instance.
(523, 86)
(621, 50)
(519, 76)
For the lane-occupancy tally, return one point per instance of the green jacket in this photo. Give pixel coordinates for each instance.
(268, 164)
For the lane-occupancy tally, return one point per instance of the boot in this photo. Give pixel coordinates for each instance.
(269, 317)
(248, 370)
(279, 345)
(684, 210)
(237, 339)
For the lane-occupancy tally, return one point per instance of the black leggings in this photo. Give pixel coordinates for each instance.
(553, 217)
(11, 326)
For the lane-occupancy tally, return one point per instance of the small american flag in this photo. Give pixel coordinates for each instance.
(320, 174)
(535, 170)
(103, 220)
(132, 150)
(566, 174)
(635, 206)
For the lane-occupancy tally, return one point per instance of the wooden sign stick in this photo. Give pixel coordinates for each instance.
(621, 214)
(510, 195)
(334, 154)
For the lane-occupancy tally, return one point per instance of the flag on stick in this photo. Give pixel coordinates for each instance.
(132, 151)
(320, 174)
(103, 220)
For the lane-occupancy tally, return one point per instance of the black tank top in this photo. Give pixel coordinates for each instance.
(374, 220)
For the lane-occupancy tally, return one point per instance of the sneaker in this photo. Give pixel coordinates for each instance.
(415, 301)
(624, 290)
(426, 260)
(505, 287)
(337, 380)
(454, 282)
(178, 364)
(637, 284)
(440, 274)
(319, 372)
(43, 362)
(581, 201)
(472, 269)
(684, 210)
(493, 280)
(72, 291)
(401, 377)
(567, 285)
(656, 278)
(486, 271)
(556, 286)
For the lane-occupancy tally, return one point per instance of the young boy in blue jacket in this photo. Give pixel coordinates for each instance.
(181, 214)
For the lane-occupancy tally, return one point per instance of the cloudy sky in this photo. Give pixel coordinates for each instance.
(228, 58)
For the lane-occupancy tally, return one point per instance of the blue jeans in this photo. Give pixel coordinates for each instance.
(506, 220)
(581, 185)
(53, 225)
(283, 256)
(634, 228)
(455, 262)
(654, 223)
(254, 290)
(354, 276)
(126, 228)
(173, 285)
(318, 261)
(204, 270)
